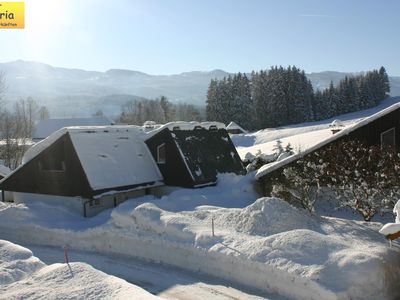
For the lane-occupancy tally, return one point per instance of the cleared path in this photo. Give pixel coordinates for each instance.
(165, 281)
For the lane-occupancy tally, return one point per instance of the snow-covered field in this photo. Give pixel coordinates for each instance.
(266, 244)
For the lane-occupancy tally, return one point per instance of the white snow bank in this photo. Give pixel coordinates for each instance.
(267, 216)
(231, 191)
(149, 218)
(23, 276)
(276, 247)
(392, 228)
(16, 262)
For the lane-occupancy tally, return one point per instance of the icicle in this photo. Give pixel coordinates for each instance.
(390, 241)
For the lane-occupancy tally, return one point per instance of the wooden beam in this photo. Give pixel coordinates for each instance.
(393, 236)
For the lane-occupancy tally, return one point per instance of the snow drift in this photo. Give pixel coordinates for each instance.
(276, 247)
(22, 276)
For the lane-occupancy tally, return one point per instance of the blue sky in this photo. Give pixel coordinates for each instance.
(173, 36)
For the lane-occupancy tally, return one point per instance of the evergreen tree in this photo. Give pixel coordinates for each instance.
(211, 103)
(384, 83)
(241, 108)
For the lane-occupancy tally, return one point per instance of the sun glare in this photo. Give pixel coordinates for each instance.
(43, 20)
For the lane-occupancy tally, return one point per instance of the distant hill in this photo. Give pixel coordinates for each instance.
(78, 92)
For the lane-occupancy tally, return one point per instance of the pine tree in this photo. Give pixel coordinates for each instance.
(384, 83)
(241, 108)
(211, 103)
(278, 148)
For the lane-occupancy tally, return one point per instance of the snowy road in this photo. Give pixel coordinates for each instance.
(165, 281)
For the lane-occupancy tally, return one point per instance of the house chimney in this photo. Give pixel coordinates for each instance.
(336, 126)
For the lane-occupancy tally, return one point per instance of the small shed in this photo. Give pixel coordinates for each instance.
(234, 128)
(86, 169)
(192, 154)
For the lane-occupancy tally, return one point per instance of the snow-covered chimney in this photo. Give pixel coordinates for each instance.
(336, 126)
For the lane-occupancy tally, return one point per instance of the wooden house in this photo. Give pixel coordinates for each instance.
(381, 128)
(192, 154)
(86, 169)
(234, 128)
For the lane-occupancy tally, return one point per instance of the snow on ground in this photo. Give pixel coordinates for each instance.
(301, 136)
(266, 244)
(298, 142)
(4, 171)
(392, 228)
(23, 276)
(162, 280)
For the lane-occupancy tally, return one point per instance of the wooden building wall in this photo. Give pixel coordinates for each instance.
(371, 133)
(204, 152)
(174, 169)
(35, 176)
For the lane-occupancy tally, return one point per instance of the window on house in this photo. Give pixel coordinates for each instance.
(50, 164)
(95, 202)
(388, 137)
(54, 159)
(161, 154)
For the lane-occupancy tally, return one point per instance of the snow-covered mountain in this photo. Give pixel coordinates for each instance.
(41, 80)
(61, 88)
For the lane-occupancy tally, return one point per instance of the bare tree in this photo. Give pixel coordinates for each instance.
(16, 129)
(2, 85)
(43, 113)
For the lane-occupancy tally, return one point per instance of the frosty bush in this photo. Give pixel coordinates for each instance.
(254, 162)
(365, 178)
(299, 186)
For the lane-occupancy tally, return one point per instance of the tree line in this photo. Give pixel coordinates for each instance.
(281, 96)
(159, 110)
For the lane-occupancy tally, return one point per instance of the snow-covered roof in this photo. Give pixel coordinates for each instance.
(4, 171)
(20, 142)
(183, 125)
(111, 156)
(46, 127)
(266, 169)
(232, 126)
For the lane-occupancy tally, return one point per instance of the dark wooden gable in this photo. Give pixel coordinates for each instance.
(195, 157)
(207, 153)
(54, 171)
(371, 132)
(174, 170)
